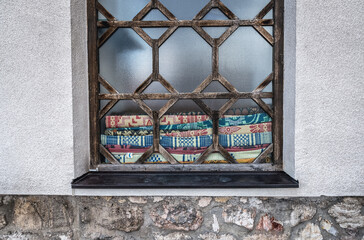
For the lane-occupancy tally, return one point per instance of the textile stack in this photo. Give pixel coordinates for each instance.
(244, 133)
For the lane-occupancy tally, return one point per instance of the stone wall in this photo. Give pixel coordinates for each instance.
(180, 218)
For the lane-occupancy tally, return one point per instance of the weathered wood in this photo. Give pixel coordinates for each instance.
(143, 86)
(264, 84)
(109, 32)
(165, 11)
(108, 155)
(226, 10)
(203, 11)
(143, 35)
(185, 23)
(166, 35)
(203, 106)
(220, 167)
(167, 155)
(215, 61)
(104, 12)
(227, 84)
(167, 106)
(145, 156)
(203, 85)
(264, 106)
(278, 82)
(226, 34)
(204, 35)
(156, 131)
(226, 106)
(166, 84)
(193, 95)
(155, 56)
(144, 106)
(204, 155)
(265, 34)
(262, 156)
(265, 10)
(107, 85)
(226, 155)
(215, 130)
(107, 108)
(143, 12)
(93, 84)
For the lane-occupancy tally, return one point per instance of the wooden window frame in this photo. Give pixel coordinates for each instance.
(276, 77)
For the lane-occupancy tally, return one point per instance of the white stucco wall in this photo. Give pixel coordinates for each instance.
(45, 143)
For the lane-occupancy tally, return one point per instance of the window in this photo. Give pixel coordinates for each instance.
(155, 61)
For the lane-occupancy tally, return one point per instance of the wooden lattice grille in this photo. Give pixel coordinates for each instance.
(197, 95)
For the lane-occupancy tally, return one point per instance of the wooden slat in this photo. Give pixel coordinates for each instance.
(204, 155)
(167, 106)
(108, 155)
(215, 129)
(156, 131)
(104, 12)
(215, 61)
(155, 61)
(167, 155)
(265, 10)
(264, 106)
(226, 11)
(262, 156)
(107, 108)
(278, 83)
(166, 35)
(227, 105)
(143, 35)
(203, 106)
(165, 11)
(203, 11)
(226, 155)
(107, 85)
(204, 35)
(264, 84)
(166, 84)
(144, 85)
(143, 12)
(226, 34)
(264, 33)
(193, 95)
(93, 84)
(109, 32)
(144, 106)
(185, 23)
(203, 85)
(227, 84)
(144, 156)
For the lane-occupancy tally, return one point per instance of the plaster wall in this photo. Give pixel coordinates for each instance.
(324, 60)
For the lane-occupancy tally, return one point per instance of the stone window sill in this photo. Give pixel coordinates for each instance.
(261, 179)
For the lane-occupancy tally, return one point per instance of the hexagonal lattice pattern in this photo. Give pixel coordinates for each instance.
(215, 23)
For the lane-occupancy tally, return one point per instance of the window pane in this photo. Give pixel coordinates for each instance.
(246, 9)
(246, 59)
(123, 10)
(125, 60)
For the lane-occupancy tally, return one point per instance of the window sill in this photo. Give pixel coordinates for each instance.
(261, 179)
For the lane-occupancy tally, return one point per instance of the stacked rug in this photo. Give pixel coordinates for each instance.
(187, 135)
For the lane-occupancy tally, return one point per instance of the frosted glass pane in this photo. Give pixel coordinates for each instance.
(246, 9)
(155, 33)
(124, 10)
(215, 32)
(125, 60)
(246, 59)
(185, 59)
(215, 14)
(155, 15)
(184, 9)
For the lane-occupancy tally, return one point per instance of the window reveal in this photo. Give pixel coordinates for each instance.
(147, 29)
